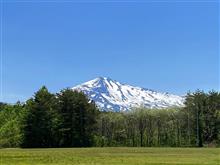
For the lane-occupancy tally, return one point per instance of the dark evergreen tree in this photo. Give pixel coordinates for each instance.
(39, 122)
(78, 119)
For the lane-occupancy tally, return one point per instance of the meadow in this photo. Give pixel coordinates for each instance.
(111, 156)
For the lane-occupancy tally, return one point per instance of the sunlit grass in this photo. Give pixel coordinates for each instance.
(111, 156)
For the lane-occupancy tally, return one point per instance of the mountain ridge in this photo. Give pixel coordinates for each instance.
(111, 95)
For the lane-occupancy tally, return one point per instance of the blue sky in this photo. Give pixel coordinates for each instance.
(169, 47)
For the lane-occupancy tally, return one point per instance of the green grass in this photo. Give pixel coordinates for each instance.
(111, 156)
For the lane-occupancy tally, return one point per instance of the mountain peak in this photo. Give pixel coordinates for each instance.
(108, 79)
(112, 95)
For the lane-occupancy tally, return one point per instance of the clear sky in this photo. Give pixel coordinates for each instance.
(168, 47)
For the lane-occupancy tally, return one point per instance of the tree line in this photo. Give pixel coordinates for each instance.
(66, 119)
(70, 119)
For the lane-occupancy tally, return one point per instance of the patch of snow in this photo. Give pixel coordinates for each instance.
(112, 95)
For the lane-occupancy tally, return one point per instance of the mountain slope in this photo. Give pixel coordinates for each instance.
(112, 95)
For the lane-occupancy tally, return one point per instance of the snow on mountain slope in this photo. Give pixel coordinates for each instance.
(110, 95)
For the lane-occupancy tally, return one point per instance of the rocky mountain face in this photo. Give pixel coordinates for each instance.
(110, 95)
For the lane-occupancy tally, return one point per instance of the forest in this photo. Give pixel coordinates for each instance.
(70, 119)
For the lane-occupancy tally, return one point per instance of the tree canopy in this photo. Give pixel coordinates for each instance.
(70, 119)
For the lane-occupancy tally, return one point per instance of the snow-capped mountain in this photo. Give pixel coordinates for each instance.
(110, 95)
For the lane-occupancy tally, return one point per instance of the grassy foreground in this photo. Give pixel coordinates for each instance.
(111, 156)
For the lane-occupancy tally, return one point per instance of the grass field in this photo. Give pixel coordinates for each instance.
(111, 156)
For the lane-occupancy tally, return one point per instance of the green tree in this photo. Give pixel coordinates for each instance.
(39, 124)
(78, 119)
(196, 103)
(212, 118)
(10, 125)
